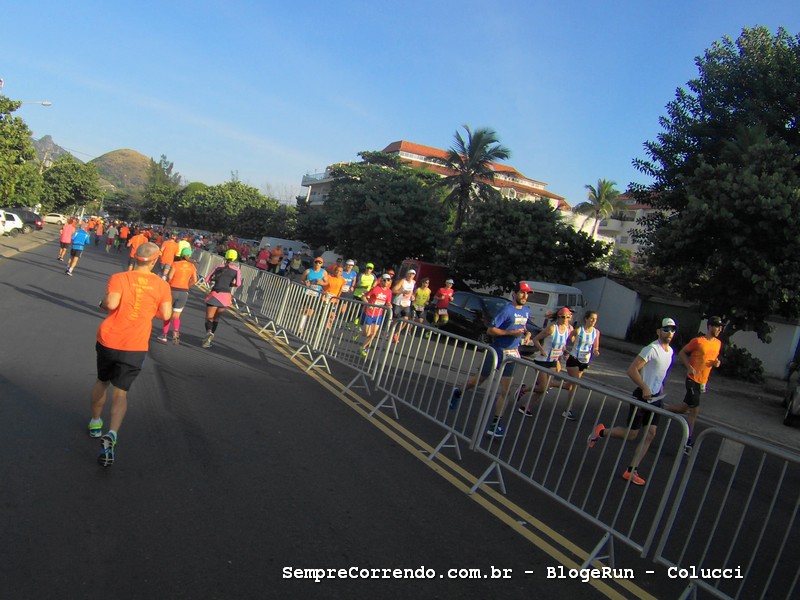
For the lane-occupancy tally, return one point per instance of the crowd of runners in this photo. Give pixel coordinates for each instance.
(160, 273)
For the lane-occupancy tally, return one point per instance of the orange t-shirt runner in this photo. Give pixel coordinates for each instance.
(702, 353)
(169, 250)
(183, 275)
(128, 327)
(135, 242)
(335, 285)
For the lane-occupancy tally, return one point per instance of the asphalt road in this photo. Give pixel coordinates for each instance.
(232, 465)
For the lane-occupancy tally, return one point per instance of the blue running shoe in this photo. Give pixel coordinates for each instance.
(107, 444)
(95, 431)
(455, 398)
(496, 430)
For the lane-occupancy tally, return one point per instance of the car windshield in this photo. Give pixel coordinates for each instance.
(493, 305)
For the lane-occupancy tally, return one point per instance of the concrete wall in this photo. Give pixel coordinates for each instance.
(618, 307)
(776, 355)
(615, 304)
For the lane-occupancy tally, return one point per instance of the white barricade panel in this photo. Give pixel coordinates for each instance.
(343, 333)
(735, 523)
(429, 370)
(546, 441)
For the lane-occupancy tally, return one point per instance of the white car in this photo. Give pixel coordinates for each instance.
(11, 223)
(56, 218)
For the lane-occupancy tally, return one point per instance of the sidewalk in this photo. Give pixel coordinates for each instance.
(25, 241)
(751, 408)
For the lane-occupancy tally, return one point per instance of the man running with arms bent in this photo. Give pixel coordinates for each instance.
(132, 299)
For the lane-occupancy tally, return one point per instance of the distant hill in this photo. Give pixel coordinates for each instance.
(126, 170)
(47, 150)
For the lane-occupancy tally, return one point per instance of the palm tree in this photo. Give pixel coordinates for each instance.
(603, 201)
(471, 160)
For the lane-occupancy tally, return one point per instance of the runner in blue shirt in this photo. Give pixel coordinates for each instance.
(79, 241)
(508, 329)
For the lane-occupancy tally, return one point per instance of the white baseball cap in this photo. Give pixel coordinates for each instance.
(412, 271)
(667, 322)
(350, 262)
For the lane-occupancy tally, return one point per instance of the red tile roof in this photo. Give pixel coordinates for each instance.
(429, 151)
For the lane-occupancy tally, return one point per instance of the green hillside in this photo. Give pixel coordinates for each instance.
(125, 169)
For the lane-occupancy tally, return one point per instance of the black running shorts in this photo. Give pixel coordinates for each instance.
(118, 366)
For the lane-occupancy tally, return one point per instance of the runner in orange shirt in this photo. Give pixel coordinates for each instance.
(133, 244)
(99, 229)
(132, 300)
(182, 276)
(333, 291)
(699, 356)
(169, 252)
(275, 258)
(124, 234)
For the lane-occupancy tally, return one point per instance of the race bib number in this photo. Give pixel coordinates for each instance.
(511, 353)
(379, 302)
(555, 353)
(405, 301)
(441, 311)
(584, 355)
(345, 288)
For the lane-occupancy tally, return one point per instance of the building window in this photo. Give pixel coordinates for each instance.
(623, 239)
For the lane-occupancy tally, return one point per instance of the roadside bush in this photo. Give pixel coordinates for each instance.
(738, 363)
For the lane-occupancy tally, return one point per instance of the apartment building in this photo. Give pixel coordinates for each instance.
(618, 227)
(508, 181)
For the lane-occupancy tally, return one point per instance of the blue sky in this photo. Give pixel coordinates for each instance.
(277, 90)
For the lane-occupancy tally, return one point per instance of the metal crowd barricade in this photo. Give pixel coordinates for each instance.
(736, 509)
(422, 369)
(341, 335)
(301, 314)
(270, 296)
(550, 452)
(243, 297)
(206, 262)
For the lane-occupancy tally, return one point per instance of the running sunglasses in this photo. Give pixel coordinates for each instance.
(669, 329)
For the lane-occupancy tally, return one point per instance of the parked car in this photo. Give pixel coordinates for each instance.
(30, 220)
(470, 314)
(791, 398)
(56, 218)
(12, 224)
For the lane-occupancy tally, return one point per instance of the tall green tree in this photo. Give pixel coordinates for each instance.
(230, 207)
(384, 211)
(471, 159)
(602, 201)
(69, 184)
(160, 197)
(163, 173)
(28, 190)
(512, 240)
(726, 179)
(16, 148)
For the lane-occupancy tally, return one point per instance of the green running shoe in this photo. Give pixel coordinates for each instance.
(95, 431)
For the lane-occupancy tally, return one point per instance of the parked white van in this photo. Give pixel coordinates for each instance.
(549, 297)
(295, 245)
